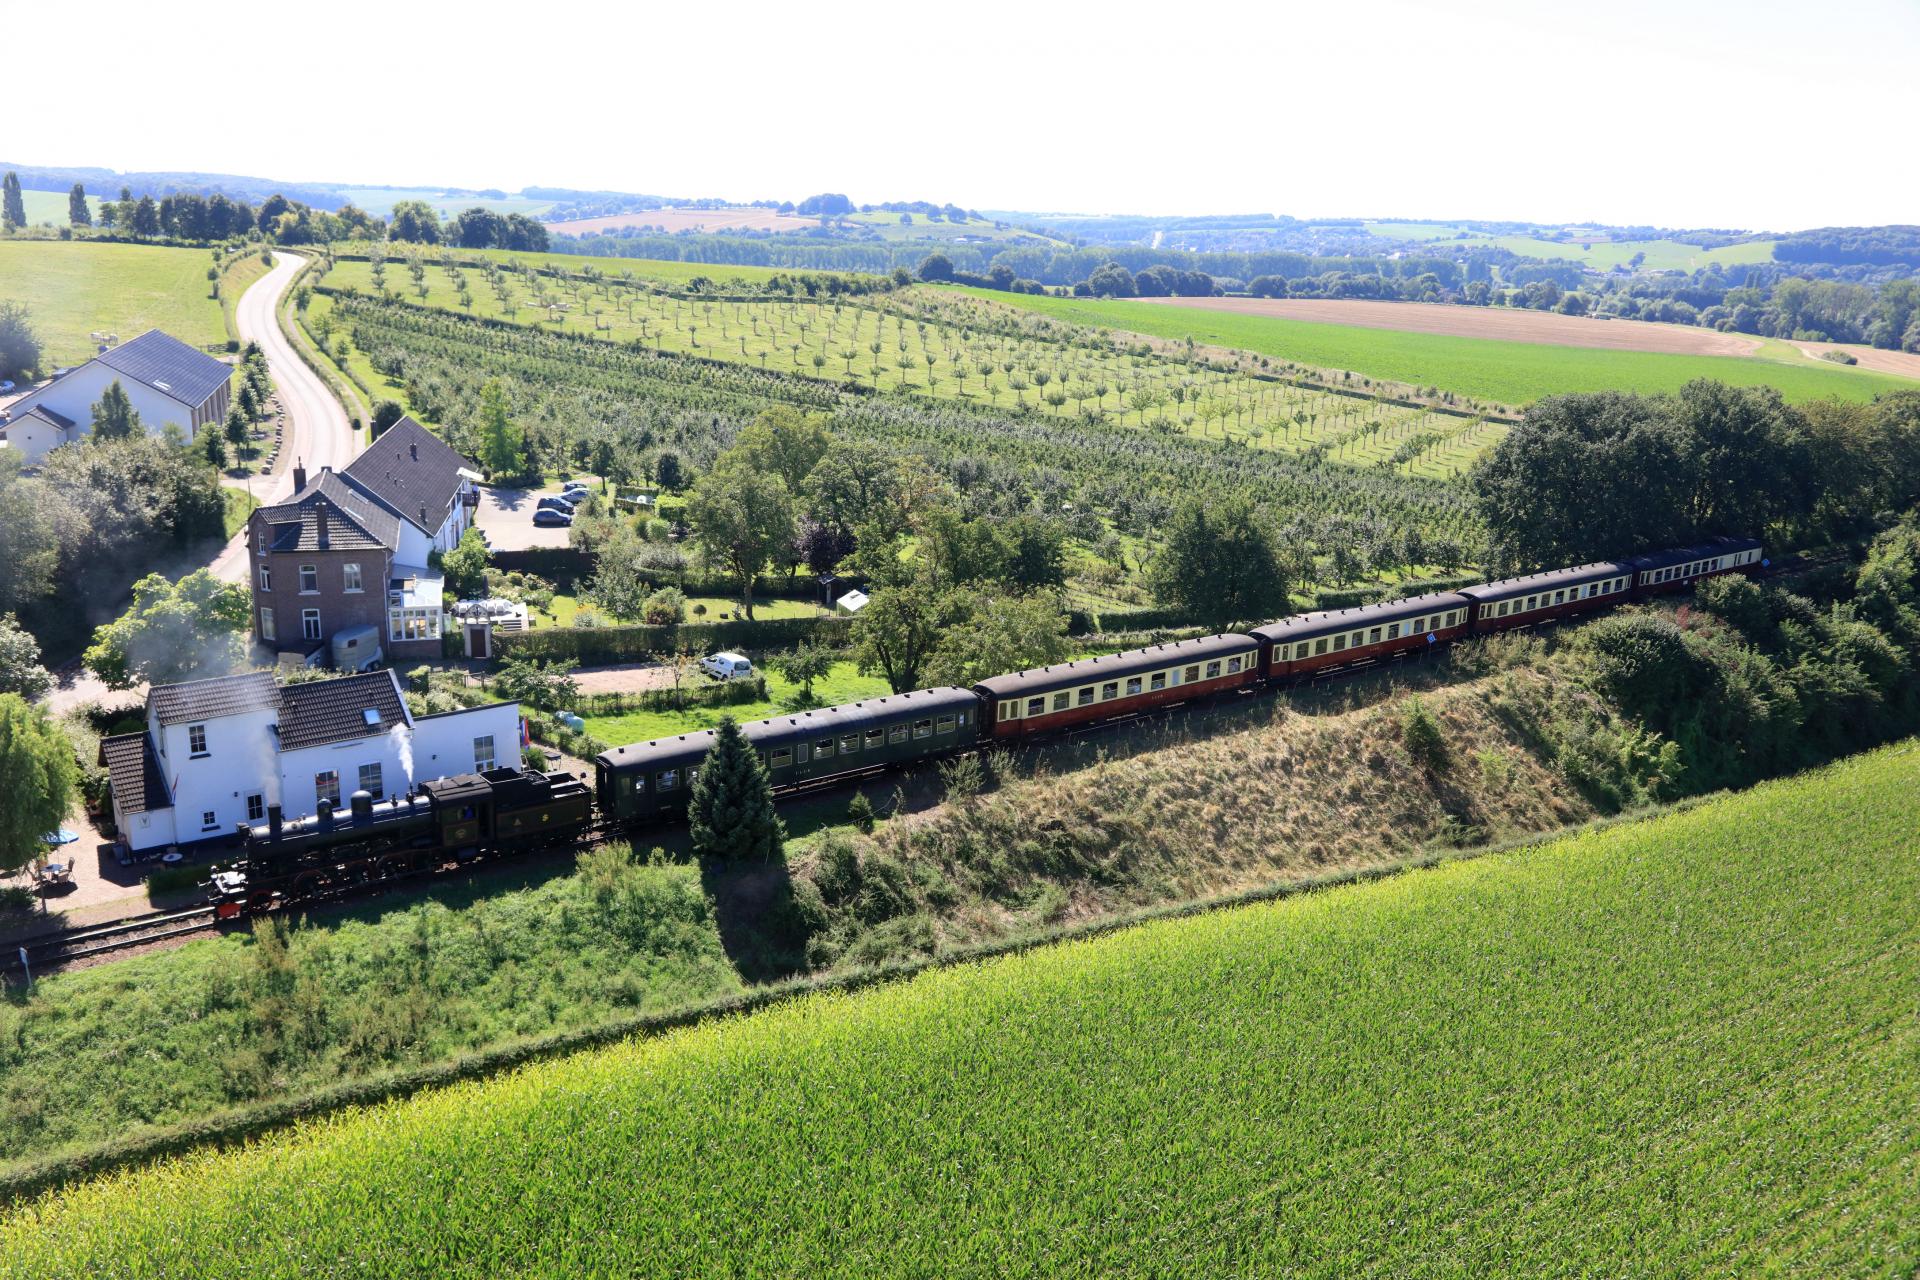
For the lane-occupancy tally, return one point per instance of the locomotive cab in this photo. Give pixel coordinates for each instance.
(462, 812)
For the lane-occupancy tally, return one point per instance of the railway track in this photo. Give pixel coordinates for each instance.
(54, 949)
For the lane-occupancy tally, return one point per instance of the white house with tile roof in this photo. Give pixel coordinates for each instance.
(166, 380)
(217, 752)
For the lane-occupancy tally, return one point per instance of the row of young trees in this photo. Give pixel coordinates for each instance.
(417, 222)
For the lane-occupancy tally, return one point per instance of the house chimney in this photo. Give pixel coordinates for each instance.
(299, 477)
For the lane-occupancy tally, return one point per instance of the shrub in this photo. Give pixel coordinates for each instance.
(1425, 740)
(860, 812)
(665, 607)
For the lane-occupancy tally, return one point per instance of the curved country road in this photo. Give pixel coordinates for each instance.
(318, 432)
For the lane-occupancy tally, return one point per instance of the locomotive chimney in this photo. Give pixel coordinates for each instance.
(273, 823)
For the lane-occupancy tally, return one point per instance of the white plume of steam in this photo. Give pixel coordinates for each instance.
(403, 744)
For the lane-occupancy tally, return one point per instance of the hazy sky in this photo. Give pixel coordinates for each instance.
(1736, 113)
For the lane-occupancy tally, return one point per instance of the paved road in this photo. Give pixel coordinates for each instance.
(317, 432)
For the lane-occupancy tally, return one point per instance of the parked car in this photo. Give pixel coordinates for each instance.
(576, 486)
(554, 503)
(727, 666)
(548, 518)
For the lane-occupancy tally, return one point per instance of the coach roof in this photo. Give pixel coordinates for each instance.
(1334, 621)
(1507, 588)
(1068, 675)
(1699, 551)
(801, 726)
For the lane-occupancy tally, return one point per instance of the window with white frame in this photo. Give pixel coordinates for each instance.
(208, 821)
(266, 576)
(309, 579)
(256, 807)
(310, 624)
(196, 740)
(266, 622)
(326, 786)
(350, 577)
(483, 753)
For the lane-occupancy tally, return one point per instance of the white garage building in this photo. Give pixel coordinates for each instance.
(165, 379)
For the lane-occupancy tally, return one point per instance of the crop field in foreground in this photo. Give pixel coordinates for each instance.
(75, 288)
(1677, 1048)
(1514, 373)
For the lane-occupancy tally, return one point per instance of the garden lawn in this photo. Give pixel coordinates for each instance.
(843, 683)
(75, 288)
(1514, 373)
(1685, 1047)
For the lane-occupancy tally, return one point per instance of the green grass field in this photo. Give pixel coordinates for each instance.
(49, 208)
(1514, 373)
(1684, 1047)
(1661, 255)
(840, 685)
(75, 288)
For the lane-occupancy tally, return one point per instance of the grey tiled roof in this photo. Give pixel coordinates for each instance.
(138, 786)
(162, 361)
(313, 715)
(211, 699)
(59, 420)
(354, 521)
(412, 471)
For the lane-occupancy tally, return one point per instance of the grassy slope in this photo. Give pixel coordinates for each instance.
(74, 288)
(1662, 255)
(1513, 372)
(1688, 1043)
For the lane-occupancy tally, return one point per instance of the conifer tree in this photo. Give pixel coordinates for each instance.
(78, 211)
(13, 206)
(114, 417)
(730, 812)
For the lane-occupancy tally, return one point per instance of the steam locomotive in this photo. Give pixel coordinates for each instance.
(506, 811)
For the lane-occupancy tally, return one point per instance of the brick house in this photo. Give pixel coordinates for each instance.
(351, 551)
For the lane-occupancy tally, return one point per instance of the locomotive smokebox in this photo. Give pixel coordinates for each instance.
(273, 823)
(324, 814)
(362, 802)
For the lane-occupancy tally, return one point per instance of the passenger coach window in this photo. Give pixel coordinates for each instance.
(1109, 691)
(897, 734)
(1339, 643)
(1133, 686)
(781, 758)
(668, 780)
(1319, 647)
(823, 748)
(1190, 675)
(876, 738)
(1393, 631)
(1085, 696)
(1213, 670)
(1060, 701)
(1159, 680)
(1373, 637)
(849, 743)
(1233, 665)
(923, 728)
(944, 725)
(1036, 706)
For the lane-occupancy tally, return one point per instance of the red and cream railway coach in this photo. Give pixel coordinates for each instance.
(1678, 569)
(1311, 642)
(1542, 597)
(1117, 684)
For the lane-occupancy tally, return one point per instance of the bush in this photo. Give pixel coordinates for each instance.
(860, 812)
(1425, 740)
(602, 645)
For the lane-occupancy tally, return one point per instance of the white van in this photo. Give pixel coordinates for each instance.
(727, 666)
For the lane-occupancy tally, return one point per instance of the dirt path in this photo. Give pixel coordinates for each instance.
(1903, 364)
(1510, 324)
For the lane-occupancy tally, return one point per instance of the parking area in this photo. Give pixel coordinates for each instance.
(506, 517)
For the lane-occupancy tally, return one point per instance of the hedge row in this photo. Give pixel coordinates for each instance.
(596, 646)
(700, 693)
(567, 567)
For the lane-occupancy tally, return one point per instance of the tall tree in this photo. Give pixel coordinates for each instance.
(79, 213)
(146, 218)
(1220, 564)
(742, 517)
(500, 441)
(1001, 633)
(901, 628)
(730, 809)
(114, 417)
(37, 776)
(13, 206)
(786, 442)
(20, 669)
(414, 220)
(19, 343)
(187, 630)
